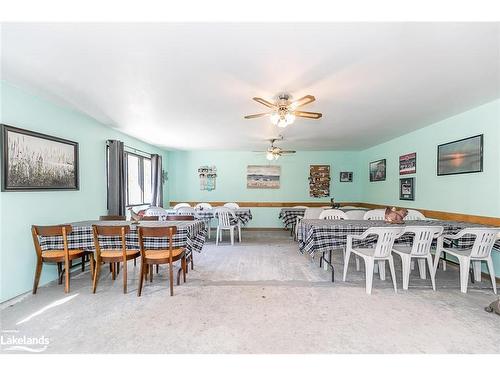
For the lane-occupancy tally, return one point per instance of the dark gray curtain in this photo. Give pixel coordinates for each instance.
(156, 181)
(116, 177)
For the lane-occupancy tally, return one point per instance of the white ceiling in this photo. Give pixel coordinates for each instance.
(188, 86)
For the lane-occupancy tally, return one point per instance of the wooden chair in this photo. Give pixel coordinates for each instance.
(160, 256)
(112, 218)
(55, 256)
(180, 218)
(112, 256)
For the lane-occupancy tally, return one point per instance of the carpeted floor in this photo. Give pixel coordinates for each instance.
(260, 296)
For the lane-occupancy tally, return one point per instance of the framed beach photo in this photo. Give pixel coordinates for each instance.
(377, 170)
(263, 176)
(462, 156)
(407, 189)
(34, 161)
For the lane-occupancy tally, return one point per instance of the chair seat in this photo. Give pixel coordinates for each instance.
(369, 252)
(163, 255)
(117, 255)
(406, 250)
(459, 253)
(58, 255)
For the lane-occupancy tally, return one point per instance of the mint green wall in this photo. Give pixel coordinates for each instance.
(231, 179)
(474, 193)
(20, 210)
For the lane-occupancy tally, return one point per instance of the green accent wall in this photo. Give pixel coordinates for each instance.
(184, 183)
(19, 210)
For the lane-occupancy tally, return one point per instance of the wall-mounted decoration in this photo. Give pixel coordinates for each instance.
(462, 156)
(319, 181)
(207, 177)
(345, 176)
(407, 189)
(377, 170)
(34, 161)
(263, 176)
(408, 163)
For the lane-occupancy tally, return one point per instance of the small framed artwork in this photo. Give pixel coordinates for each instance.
(407, 189)
(408, 163)
(462, 156)
(34, 161)
(345, 176)
(377, 170)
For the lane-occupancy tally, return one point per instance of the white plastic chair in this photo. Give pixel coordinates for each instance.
(186, 211)
(179, 205)
(381, 252)
(332, 214)
(203, 205)
(299, 207)
(378, 214)
(232, 205)
(224, 216)
(355, 215)
(309, 213)
(414, 215)
(480, 251)
(420, 249)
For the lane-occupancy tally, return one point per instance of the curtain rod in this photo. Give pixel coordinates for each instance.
(136, 150)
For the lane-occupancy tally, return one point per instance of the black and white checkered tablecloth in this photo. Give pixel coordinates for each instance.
(317, 236)
(190, 234)
(289, 216)
(244, 215)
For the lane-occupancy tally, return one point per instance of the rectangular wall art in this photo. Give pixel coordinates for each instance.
(345, 176)
(407, 189)
(408, 163)
(207, 175)
(377, 170)
(34, 161)
(462, 156)
(319, 181)
(263, 176)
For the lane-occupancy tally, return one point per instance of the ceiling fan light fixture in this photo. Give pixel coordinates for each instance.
(275, 118)
(290, 118)
(269, 156)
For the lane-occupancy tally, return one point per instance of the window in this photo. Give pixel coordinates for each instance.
(138, 179)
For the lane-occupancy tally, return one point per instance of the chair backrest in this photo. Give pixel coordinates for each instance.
(299, 207)
(156, 232)
(179, 205)
(484, 241)
(332, 214)
(355, 215)
(149, 218)
(203, 205)
(313, 212)
(110, 231)
(186, 211)
(423, 236)
(224, 215)
(112, 218)
(414, 215)
(378, 214)
(349, 207)
(155, 211)
(180, 218)
(232, 205)
(385, 240)
(50, 230)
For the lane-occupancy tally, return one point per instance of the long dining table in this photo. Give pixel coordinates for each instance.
(324, 236)
(190, 234)
(243, 215)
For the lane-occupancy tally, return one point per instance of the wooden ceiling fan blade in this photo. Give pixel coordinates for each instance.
(257, 115)
(312, 115)
(265, 102)
(288, 152)
(302, 101)
(259, 151)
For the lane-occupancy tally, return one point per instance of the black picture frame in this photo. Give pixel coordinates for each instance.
(73, 173)
(378, 170)
(345, 177)
(408, 164)
(443, 157)
(407, 189)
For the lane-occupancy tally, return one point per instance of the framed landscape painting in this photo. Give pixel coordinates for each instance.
(34, 161)
(377, 170)
(462, 156)
(263, 176)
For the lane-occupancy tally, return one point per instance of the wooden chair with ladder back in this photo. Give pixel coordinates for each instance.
(189, 256)
(168, 255)
(55, 256)
(113, 256)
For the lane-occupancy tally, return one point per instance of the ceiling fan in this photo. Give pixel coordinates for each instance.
(284, 109)
(274, 152)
